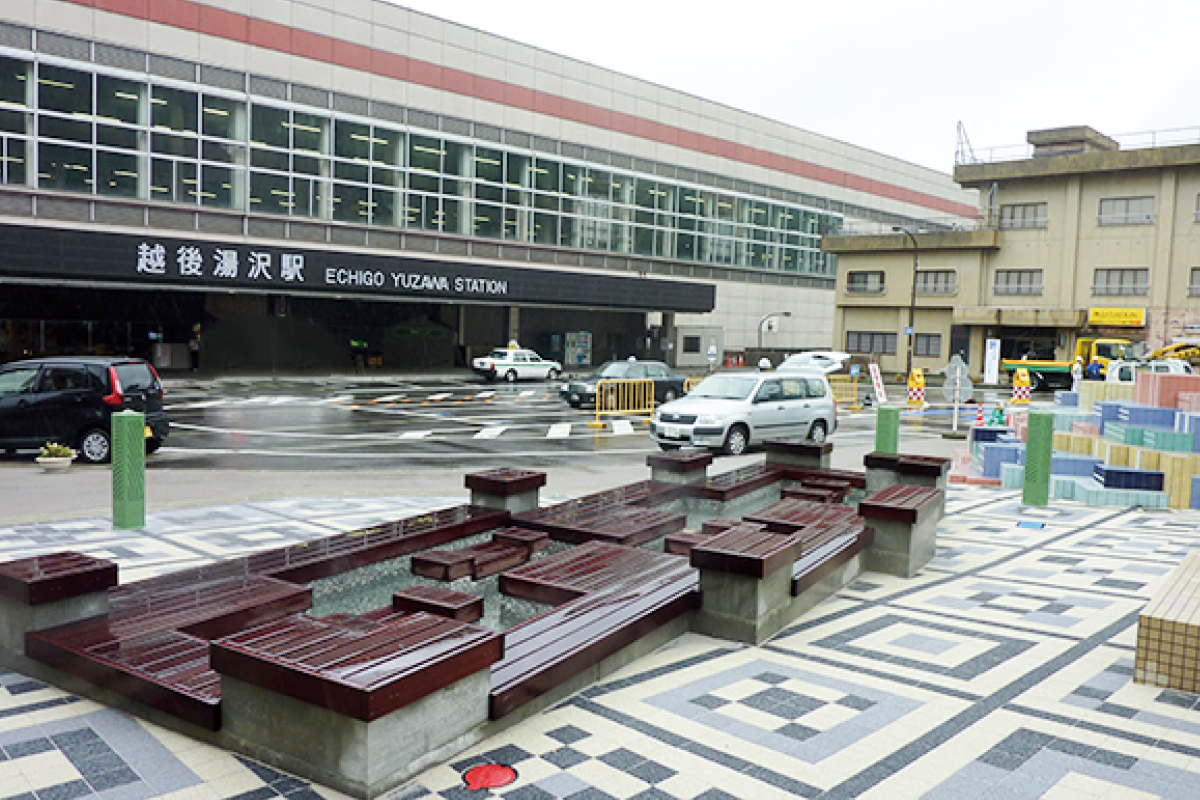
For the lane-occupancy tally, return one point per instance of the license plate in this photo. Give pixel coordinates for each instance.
(149, 432)
(669, 431)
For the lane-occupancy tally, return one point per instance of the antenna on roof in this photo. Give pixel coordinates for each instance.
(963, 154)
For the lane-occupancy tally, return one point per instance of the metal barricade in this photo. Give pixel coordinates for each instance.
(845, 391)
(691, 383)
(618, 396)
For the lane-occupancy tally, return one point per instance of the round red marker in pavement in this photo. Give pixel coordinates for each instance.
(489, 776)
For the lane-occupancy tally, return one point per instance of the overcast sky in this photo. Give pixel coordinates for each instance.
(891, 76)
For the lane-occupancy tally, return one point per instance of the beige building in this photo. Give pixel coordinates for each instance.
(1081, 236)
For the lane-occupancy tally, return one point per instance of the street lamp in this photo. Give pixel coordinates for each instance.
(763, 321)
(912, 302)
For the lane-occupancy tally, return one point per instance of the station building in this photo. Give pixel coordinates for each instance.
(1078, 235)
(315, 184)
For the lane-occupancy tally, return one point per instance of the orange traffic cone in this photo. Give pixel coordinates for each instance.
(979, 416)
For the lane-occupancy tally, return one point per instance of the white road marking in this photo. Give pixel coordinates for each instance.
(525, 393)
(440, 396)
(485, 394)
(561, 430)
(341, 398)
(388, 398)
(281, 400)
(491, 432)
(415, 434)
(622, 427)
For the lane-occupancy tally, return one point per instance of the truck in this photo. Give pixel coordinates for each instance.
(1057, 374)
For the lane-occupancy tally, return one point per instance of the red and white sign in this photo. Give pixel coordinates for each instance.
(877, 383)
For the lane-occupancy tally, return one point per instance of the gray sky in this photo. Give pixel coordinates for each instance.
(891, 76)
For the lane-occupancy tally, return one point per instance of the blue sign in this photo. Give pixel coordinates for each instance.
(907, 331)
(854, 370)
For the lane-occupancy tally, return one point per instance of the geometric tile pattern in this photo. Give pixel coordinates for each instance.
(1003, 670)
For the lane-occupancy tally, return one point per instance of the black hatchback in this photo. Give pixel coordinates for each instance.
(70, 400)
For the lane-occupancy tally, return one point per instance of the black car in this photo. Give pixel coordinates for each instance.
(70, 400)
(667, 384)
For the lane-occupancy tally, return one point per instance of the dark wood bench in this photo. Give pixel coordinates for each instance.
(817, 494)
(927, 466)
(747, 549)
(735, 483)
(608, 597)
(458, 606)
(363, 672)
(902, 503)
(810, 476)
(39, 580)
(507, 548)
(616, 523)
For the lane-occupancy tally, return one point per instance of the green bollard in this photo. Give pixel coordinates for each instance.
(1039, 450)
(129, 470)
(887, 430)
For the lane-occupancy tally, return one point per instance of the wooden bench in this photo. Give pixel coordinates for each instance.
(793, 514)
(798, 452)
(615, 523)
(508, 548)
(608, 597)
(43, 579)
(818, 494)
(735, 483)
(748, 549)
(811, 476)
(905, 518)
(364, 673)
(458, 606)
(884, 469)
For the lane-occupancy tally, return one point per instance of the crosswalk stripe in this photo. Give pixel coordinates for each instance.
(441, 396)
(622, 427)
(415, 434)
(526, 393)
(491, 432)
(560, 430)
(485, 394)
(388, 398)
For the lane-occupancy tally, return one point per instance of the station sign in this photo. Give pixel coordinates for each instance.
(154, 261)
(1124, 317)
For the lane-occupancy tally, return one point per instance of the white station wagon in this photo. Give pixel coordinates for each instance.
(514, 364)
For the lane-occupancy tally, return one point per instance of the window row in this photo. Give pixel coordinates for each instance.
(934, 281)
(74, 130)
(875, 342)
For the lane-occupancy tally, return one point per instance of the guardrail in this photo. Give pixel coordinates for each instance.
(691, 383)
(624, 396)
(845, 391)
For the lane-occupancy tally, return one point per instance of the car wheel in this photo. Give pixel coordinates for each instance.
(152, 445)
(669, 396)
(95, 446)
(552, 375)
(667, 447)
(511, 376)
(736, 440)
(575, 403)
(817, 432)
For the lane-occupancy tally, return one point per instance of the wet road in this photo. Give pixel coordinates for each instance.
(436, 422)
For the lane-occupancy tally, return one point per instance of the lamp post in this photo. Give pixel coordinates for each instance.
(912, 302)
(763, 321)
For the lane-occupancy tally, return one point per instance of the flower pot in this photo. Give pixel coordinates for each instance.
(55, 463)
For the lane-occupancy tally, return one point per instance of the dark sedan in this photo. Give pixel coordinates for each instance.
(667, 384)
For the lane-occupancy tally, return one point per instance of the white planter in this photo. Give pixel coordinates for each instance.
(55, 463)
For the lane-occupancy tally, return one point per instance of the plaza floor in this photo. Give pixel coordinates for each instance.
(1003, 670)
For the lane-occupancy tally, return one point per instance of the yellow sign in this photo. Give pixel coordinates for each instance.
(1130, 317)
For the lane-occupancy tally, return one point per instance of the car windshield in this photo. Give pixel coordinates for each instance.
(612, 369)
(726, 387)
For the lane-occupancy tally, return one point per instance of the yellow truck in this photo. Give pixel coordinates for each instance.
(1057, 374)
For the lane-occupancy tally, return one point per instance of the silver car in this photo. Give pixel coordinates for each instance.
(730, 411)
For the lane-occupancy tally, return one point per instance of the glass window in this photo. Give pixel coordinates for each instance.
(308, 197)
(350, 203)
(71, 129)
(222, 151)
(310, 133)
(1018, 281)
(119, 100)
(112, 136)
(269, 126)
(169, 145)
(269, 159)
(425, 153)
(1023, 215)
(1126, 211)
(941, 281)
(489, 220)
(12, 161)
(14, 81)
(66, 168)
(65, 90)
(458, 160)
(1194, 283)
(385, 206)
(865, 282)
(927, 344)
(545, 228)
(270, 193)
(352, 140)
(117, 173)
(19, 380)
(870, 342)
(174, 110)
(387, 147)
(489, 165)
(220, 187)
(1129, 282)
(223, 118)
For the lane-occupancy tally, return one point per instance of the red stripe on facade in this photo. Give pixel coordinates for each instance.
(199, 18)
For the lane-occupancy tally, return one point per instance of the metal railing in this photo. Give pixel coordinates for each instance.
(1172, 137)
(616, 396)
(845, 391)
(691, 383)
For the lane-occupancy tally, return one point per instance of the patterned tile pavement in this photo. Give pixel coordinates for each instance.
(1003, 670)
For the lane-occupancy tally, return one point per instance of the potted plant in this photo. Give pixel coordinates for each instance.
(55, 457)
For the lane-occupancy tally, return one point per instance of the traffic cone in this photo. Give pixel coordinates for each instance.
(979, 416)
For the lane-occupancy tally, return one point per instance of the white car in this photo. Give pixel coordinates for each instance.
(826, 361)
(514, 364)
(729, 411)
(1125, 371)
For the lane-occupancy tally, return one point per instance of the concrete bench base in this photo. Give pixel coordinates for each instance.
(901, 548)
(362, 759)
(17, 619)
